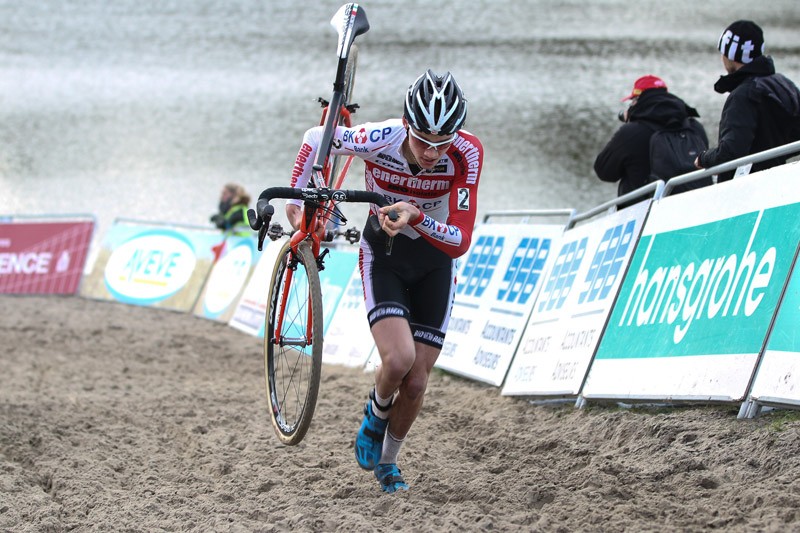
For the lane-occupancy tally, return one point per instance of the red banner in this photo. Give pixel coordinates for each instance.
(43, 257)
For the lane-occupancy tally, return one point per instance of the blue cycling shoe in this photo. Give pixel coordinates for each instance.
(389, 477)
(369, 441)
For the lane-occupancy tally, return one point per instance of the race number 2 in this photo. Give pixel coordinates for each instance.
(463, 199)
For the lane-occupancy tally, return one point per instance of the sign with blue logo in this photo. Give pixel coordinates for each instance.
(153, 266)
(496, 287)
(701, 291)
(571, 310)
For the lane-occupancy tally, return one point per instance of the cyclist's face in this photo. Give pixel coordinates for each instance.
(426, 147)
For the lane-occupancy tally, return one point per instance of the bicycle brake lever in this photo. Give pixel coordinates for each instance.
(393, 216)
(253, 220)
(262, 231)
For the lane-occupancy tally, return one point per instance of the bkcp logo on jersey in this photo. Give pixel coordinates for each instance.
(708, 289)
(150, 267)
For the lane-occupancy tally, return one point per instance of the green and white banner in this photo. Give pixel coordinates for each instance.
(701, 291)
(777, 379)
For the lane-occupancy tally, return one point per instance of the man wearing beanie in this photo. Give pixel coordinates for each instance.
(626, 156)
(763, 108)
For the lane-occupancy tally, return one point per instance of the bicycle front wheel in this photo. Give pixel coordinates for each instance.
(293, 342)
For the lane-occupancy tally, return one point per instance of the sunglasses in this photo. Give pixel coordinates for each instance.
(435, 146)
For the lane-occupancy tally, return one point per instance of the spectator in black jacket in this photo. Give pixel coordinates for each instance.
(626, 157)
(763, 108)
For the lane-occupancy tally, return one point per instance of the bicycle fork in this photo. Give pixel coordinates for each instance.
(279, 338)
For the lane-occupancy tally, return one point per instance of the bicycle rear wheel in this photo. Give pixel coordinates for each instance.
(293, 355)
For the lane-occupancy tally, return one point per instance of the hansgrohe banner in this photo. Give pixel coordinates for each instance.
(695, 308)
(710, 289)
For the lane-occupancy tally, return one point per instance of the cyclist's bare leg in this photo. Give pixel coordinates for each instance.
(408, 401)
(396, 347)
(405, 366)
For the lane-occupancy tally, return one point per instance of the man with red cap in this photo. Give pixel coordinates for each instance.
(762, 110)
(626, 157)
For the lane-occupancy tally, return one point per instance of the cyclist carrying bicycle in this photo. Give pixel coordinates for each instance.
(428, 168)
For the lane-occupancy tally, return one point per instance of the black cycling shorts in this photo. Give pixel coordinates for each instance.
(416, 282)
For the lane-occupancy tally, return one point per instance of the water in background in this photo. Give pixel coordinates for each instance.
(144, 108)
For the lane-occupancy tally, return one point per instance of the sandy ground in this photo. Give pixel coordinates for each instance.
(121, 418)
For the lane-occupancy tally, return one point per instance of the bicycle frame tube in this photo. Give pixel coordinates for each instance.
(278, 333)
(337, 184)
(311, 220)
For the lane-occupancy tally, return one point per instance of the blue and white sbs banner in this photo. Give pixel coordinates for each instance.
(572, 308)
(497, 285)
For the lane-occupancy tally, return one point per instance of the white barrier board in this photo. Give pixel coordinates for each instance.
(701, 290)
(251, 309)
(572, 308)
(778, 378)
(227, 279)
(252, 306)
(348, 340)
(498, 282)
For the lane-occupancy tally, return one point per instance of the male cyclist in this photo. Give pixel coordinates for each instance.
(428, 168)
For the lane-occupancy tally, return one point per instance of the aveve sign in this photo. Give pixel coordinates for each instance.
(150, 267)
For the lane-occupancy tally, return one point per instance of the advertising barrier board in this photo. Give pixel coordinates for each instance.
(152, 265)
(498, 281)
(348, 340)
(227, 279)
(778, 379)
(571, 310)
(701, 291)
(250, 311)
(44, 255)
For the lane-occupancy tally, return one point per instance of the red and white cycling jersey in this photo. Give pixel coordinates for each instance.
(446, 195)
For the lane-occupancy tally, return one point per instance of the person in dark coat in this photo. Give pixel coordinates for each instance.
(626, 157)
(762, 110)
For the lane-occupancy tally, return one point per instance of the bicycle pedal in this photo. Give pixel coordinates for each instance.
(352, 235)
(275, 231)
